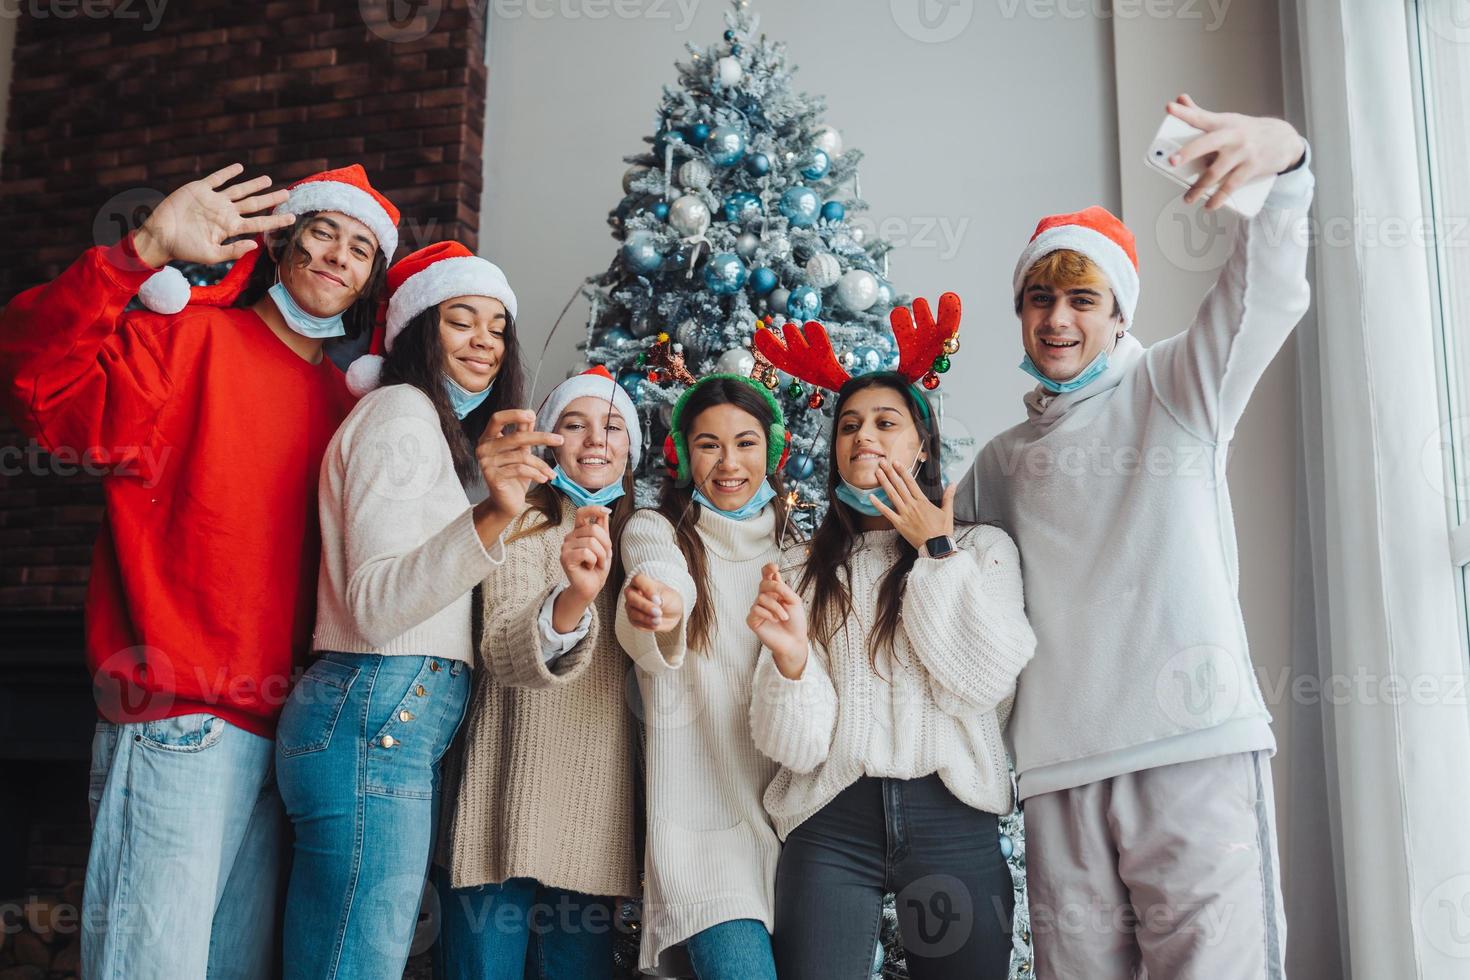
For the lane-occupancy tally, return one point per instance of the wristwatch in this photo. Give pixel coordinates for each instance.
(940, 546)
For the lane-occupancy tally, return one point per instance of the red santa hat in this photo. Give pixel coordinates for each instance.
(1097, 234)
(421, 280)
(345, 190)
(598, 383)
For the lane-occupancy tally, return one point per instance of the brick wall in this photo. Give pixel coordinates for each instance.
(112, 107)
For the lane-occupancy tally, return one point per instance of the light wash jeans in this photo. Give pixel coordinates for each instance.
(185, 873)
(736, 950)
(358, 750)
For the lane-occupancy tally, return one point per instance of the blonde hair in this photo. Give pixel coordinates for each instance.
(1066, 269)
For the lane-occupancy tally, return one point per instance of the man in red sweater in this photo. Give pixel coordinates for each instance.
(211, 415)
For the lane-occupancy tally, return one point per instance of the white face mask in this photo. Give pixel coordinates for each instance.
(302, 322)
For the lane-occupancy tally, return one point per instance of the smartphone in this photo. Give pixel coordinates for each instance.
(1173, 133)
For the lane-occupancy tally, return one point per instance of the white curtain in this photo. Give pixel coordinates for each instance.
(1380, 849)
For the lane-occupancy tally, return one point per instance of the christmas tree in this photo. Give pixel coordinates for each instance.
(734, 218)
(737, 218)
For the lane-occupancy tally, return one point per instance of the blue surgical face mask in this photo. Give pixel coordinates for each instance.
(757, 503)
(582, 497)
(315, 327)
(462, 400)
(1089, 374)
(856, 497)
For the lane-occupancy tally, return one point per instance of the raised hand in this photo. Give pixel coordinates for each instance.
(586, 555)
(192, 223)
(911, 513)
(1241, 148)
(778, 617)
(652, 606)
(508, 460)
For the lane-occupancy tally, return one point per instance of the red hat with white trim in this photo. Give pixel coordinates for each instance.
(345, 190)
(421, 280)
(1097, 234)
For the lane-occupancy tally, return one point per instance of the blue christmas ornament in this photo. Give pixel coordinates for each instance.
(868, 360)
(661, 210)
(890, 361)
(698, 133)
(800, 205)
(833, 211)
(729, 35)
(741, 205)
(816, 165)
(724, 273)
(762, 280)
(800, 466)
(725, 146)
(877, 959)
(1007, 846)
(640, 251)
(735, 50)
(804, 303)
(758, 164)
(631, 381)
(887, 296)
(617, 337)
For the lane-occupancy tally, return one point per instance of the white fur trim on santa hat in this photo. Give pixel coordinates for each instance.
(333, 195)
(364, 374)
(1106, 253)
(580, 385)
(166, 291)
(462, 275)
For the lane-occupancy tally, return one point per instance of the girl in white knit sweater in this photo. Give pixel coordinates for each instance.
(886, 714)
(710, 852)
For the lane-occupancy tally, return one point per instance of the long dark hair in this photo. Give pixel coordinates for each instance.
(678, 505)
(417, 358)
(284, 246)
(832, 545)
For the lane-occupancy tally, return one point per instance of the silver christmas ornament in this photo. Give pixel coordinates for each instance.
(857, 290)
(822, 270)
(694, 174)
(689, 215)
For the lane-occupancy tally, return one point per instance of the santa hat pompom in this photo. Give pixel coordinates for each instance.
(166, 291)
(364, 374)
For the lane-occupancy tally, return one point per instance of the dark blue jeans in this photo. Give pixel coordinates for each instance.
(912, 837)
(520, 929)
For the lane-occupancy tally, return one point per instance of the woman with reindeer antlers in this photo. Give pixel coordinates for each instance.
(886, 714)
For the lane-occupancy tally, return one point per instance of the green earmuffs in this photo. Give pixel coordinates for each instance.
(676, 451)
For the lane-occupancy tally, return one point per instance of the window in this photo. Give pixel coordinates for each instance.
(1442, 28)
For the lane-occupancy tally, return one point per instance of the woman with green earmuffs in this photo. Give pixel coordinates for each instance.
(693, 565)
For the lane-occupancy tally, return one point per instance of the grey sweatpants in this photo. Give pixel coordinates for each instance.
(1169, 873)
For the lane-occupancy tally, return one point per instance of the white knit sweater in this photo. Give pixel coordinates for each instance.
(710, 854)
(400, 553)
(1116, 495)
(932, 706)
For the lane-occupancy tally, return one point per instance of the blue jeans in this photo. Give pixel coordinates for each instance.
(185, 871)
(736, 950)
(521, 930)
(358, 752)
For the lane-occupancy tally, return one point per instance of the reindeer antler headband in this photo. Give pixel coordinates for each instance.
(806, 352)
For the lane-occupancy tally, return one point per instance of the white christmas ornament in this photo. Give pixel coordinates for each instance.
(857, 290)
(736, 360)
(822, 270)
(688, 215)
(727, 70)
(694, 174)
(829, 141)
(746, 245)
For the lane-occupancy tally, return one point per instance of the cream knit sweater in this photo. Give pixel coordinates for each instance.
(930, 707)
(710, 853)
(400, 554)
(542, 784)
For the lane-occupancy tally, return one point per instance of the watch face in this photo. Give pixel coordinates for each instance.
(939, 546)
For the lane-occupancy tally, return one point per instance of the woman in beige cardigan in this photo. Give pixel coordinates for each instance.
(538, 832)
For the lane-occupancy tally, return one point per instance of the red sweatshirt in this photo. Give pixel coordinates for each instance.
(203, 585)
